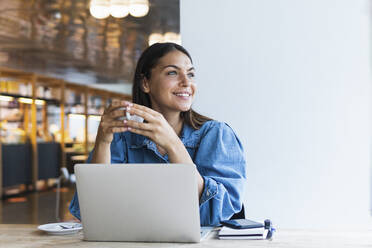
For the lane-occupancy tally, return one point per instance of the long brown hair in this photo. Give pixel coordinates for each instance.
(148, 60)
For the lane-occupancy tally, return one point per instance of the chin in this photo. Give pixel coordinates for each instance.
(184, 108)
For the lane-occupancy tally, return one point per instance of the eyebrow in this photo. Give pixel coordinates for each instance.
(174, 66)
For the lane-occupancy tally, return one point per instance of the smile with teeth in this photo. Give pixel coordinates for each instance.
(182, 94)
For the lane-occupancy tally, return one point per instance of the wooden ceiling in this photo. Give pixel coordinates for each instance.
(56, 37)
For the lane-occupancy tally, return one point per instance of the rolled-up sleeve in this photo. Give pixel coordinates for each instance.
(118, 155)
(220, 161)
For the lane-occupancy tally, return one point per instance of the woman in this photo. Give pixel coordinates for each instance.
(163, 92)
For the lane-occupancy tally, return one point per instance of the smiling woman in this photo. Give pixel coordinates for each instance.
(170, 62)
(163, 92)
(171, 86)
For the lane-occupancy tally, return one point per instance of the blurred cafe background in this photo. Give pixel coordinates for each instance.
(61, 62)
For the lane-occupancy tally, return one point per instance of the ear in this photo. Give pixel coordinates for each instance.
(145, 85)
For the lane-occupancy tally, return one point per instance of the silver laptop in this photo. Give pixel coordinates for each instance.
(139, 202)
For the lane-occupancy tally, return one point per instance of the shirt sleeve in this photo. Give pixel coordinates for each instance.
(220, 161)
(118, 155)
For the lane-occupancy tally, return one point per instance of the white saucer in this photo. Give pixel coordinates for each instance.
(61, 228)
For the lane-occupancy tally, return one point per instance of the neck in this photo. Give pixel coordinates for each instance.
(174, 119)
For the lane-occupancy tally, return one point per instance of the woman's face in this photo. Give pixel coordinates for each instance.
(171, 85)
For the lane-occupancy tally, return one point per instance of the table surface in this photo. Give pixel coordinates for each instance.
(12, 236)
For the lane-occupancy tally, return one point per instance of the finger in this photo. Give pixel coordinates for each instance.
(108, 124)
(138, 125)
(117, 113)
(117, 104)
(141, 113)
(141, 132)
(144, 109)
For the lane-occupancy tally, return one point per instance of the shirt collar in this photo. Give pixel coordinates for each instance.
(189, 136)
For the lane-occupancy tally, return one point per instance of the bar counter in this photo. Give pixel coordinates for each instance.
(17, 236)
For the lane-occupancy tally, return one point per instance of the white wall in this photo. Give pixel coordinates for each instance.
(293, 79)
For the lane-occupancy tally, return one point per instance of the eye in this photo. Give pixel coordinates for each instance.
(171, 73)
(191, 75)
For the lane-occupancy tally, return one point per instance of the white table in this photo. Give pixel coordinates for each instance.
(12, 236)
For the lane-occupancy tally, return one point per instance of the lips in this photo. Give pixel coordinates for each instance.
(183, 94)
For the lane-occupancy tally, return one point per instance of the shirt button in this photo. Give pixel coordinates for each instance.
(208, 193)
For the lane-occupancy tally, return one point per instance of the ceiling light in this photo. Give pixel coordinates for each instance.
(155, 38)
(119, 8)
(100, 9)
(25, 100)
(167, 37)
(29, 101)
(172, 37)
(139, 8)
(6, 98)
(57, 15)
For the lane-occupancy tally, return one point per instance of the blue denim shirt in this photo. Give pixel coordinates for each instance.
(217, 154)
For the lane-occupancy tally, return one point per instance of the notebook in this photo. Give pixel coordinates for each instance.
(252, 233)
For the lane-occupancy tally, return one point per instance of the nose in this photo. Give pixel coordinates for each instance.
(184, 80)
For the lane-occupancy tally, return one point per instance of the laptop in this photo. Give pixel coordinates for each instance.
(139, 202)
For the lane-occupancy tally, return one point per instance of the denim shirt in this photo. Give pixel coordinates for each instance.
(218, 155)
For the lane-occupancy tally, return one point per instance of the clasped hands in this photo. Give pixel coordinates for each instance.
(155, 127)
